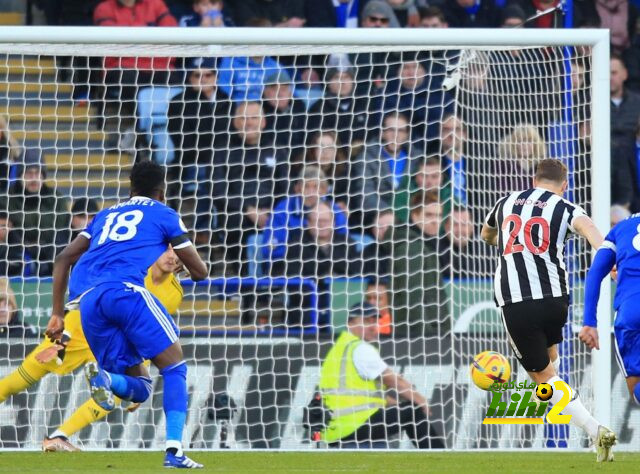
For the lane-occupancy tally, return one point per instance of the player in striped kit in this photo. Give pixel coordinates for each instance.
(531, 283)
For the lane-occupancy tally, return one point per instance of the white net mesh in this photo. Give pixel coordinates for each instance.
(311, 180)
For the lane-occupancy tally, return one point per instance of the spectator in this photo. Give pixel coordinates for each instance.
(82, 212)
(432, 17)
(584, 14)
(242, 78)
(418, 301)
(124, 75)
(513, 16)
(318, 252)
(519, 153)
(428, 177)
(340, 110)
(206, 13)
(333, 13)
(198, 122)
(247, 178)
(625, 105)
(286, 116)
(463, 254)
(324, 151)
(406, 12)
(289, 215)
(354, 362)
(372, 69)
(38, 212)
(452, 141)
(471, 13)
(426, 219)
(11, 253)
(377, 295)
(624, 177)
(619, 17)
(631, 57)
(417, 95)
(10, 152)
(618, 214)
(383, 169)
(378, 14)
(11, 325)
(281, 13)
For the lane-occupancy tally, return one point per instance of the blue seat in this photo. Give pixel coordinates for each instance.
(152, 107)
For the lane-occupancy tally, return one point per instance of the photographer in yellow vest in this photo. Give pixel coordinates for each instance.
(353, 383)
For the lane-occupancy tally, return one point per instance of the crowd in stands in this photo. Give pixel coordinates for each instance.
(340, 165)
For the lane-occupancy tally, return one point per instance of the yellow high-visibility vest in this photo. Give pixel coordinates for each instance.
(351, 398)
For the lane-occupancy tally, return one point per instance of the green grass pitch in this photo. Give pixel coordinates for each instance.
(323, 462)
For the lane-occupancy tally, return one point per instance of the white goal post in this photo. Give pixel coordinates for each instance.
(475, 47)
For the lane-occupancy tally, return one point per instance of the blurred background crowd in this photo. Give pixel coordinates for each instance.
(318, 166)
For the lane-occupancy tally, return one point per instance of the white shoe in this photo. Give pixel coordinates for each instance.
(604, 442)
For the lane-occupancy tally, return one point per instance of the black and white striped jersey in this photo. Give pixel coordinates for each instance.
(532, 228)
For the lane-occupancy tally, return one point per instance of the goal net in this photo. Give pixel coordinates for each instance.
(315, 181)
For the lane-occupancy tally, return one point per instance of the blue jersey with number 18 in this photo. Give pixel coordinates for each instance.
(126, 239)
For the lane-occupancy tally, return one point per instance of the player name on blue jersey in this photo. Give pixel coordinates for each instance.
(126, 239)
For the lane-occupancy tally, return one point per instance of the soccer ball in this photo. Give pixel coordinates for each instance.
(544, 391)
(489, 367)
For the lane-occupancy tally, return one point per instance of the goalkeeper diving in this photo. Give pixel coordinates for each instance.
(65, 356)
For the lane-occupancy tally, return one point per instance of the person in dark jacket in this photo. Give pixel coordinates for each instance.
(462, 254)
(341, 109)
(285, 115)
(331, 14)
(282, 13)
(418, 299)
(625, 105)
(38, 214)
(10, 152)
(198, 123)
(11, 325)
(83, 211)
(247, 179)
(11, 252)
(384, 169)
(472, 13)
(318, 252)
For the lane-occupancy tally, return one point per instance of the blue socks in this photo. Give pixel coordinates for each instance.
(174, 401)
(133, 389)
(636, 393)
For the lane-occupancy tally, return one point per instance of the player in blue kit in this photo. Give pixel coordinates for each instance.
(122, 321)
(621, 248)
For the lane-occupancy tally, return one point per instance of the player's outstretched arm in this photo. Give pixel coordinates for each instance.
(602, 264)
(193, 263)
(63, 263)
(586, 228)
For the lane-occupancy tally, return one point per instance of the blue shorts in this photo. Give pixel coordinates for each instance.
(627, 346)
(125, 324)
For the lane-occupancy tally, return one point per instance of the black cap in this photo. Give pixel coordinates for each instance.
(363, 310)
(84, 206)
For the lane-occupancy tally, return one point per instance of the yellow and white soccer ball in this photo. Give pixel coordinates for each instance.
(489, 367)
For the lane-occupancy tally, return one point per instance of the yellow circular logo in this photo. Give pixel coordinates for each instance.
(544, 391)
